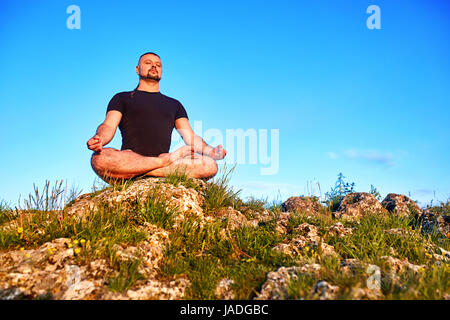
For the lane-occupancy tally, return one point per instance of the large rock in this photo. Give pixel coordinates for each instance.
(301, 204)
(185, 200)
(400, 204)
(356, 205)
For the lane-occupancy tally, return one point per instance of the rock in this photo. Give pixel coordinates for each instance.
(79, 290)
(154, 289)
(308, 230)
(301, 204)
(37, 272)
(223, 290)
(186, 200)
(350, 265)
(325, 291)
(431, 223)
(443, 223)
(339, 230)
(258, 217)
(308, 238)
(356, 205)
(399, 232)
(149, 251)
(283, 222)
(366, 294)
(400, 266)
(400, 204)
(235, 218)
(275, 287)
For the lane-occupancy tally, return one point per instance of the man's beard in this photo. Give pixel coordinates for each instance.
(150, 77)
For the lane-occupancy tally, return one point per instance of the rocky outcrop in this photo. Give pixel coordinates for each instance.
(63, 269)
(356, 205)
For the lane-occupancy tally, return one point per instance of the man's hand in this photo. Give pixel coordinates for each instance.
(95, 144)
(218, 153)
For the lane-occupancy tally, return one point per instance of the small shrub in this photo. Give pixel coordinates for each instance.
(338, 192)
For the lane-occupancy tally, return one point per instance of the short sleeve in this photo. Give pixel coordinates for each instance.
(116, 103)
(181, 112)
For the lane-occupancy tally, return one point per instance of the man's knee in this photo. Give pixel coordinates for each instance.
(100, 162)
(209, 167)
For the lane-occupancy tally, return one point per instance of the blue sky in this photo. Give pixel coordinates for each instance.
(372, 104)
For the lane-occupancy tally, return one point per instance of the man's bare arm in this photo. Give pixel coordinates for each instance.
(105, 132)
(200, 146)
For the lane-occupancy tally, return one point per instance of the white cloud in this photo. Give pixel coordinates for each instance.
(333, 155)
(383, 158)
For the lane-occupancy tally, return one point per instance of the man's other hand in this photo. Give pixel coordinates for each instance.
(95, 144)
(218, 153)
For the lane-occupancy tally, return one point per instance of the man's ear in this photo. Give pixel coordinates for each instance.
(137, 70)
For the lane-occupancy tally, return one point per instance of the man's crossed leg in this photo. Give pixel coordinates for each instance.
(114, 165)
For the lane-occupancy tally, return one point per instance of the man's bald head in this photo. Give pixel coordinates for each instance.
(149, 67)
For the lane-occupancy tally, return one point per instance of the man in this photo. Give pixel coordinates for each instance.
(146, 119)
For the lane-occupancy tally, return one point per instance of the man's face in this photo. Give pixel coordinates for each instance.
(149, 67)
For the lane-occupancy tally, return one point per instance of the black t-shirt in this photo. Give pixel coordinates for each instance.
(148, 119)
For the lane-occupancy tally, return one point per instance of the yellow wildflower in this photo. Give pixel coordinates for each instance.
(77, 250)
(82, 242)
(21, 249)
(19, 230)
(75, 242)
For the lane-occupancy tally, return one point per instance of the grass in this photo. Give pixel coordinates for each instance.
(154, 210)
(219, 194)
(207, 254)
(126, 276)
(6, 213)
(368, 243)
(180, 177)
